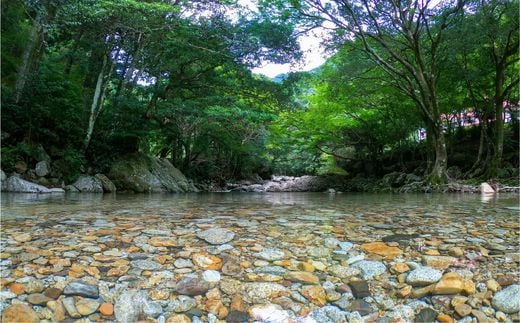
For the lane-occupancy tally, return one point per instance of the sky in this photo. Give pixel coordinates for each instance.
(313, 57)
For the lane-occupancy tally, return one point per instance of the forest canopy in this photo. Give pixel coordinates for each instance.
(423, 87)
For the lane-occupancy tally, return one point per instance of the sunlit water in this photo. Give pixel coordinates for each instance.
(208, 205)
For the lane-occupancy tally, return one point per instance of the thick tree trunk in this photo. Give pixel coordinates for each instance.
(438, 173)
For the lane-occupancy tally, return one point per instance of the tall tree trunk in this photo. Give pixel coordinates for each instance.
(97, 100)
(498, 142)
(483, 150)
(35, 38)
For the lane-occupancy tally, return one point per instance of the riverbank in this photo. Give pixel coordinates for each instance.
(303, 257)
(394, 182)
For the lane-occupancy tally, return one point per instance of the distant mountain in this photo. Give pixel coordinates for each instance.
(279, 78)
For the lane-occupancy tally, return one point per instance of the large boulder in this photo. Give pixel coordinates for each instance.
(3, 180)
(16, 184)
(297, 184)
(108, 186)
(141, 173)
(88, 184)
(43, 168)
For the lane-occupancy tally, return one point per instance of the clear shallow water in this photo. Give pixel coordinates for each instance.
(256, 204)
(143, 242)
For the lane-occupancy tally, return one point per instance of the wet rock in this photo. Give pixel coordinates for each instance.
(211, 276)
(237, 317)
(463, 310)
(178, 318)
(381, 249)
(16, 184)
(302, 277)
(343, 272)
(52, 292)
(141, 173)
(20, 313)
(359, 289)
(80, 288)
(38, 299)
(508, 299)
(106, 183)
(58, 311)
(43, 168)
(328, 314)
(270, 254)
(315, 294)
(86, 306)
(370, 268)
(216, 236)
(182, 304)
(269, 313)
(34, 286)
(360, 306)
(261, 292)
(271, 270)
(106, 309)
(70, 307)
(192, 286)
(438, 262)
(145, 264)
(88, 184)
(183, 263)
(453, 283)
(423, 276)
(206, 261)
(426, 315)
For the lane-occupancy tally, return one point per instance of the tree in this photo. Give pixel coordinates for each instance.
(405, 38)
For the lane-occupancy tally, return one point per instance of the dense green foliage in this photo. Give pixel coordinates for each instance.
(92, 80)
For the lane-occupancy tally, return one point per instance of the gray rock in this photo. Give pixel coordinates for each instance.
(259, 293)
(211, 276)
(88, 184)
(370, 268)
(423, 276)
(145, 264)
(80, 288)
(192, 286)
(57, 190)
(343, 272)
(216, 235)
(271, 270)
(151, 308)
(328, 314)
(43, 168)
(71, 188)
(508, 299)
(182, 304)
(141, 173)
(106, 183)
(183, 263)
(16, 184)
(129, 306)
(400, 313)
(3, 182)
(270, 254)
(70, 307)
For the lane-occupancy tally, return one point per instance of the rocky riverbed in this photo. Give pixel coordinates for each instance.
(266, 262)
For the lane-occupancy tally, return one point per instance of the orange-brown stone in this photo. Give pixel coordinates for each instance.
(206, 261)
(382, 249)
(106, 309)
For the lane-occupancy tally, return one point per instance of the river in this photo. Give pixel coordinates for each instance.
(272, 257)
